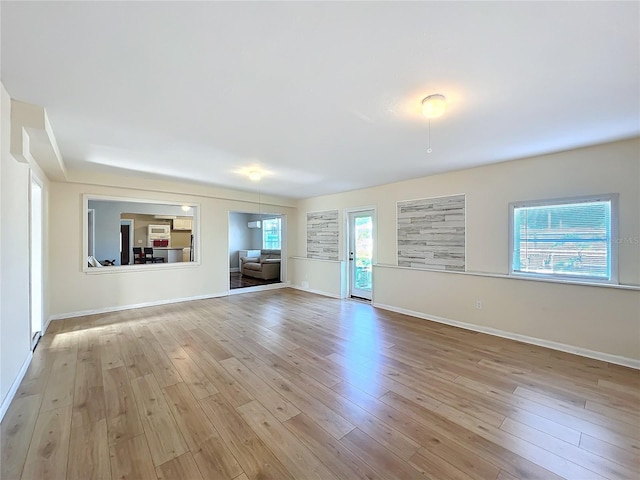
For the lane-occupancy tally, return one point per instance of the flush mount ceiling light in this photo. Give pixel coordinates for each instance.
(433, 106)
(253, 172)
(255, 175)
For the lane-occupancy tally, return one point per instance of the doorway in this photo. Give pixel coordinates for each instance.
(257, 251)
(35, 274)
(126, 242)
(360, 244)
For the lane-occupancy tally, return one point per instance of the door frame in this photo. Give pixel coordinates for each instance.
(347, 239)
(91, 232)
(36, 278)
(283, 253)
(128, 221)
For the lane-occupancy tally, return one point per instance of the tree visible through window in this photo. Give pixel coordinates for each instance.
(563, 239)
(271, 234)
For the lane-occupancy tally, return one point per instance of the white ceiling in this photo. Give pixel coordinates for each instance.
(324, 96)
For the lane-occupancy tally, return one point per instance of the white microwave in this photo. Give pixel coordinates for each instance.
(159, 231)
(159, 235)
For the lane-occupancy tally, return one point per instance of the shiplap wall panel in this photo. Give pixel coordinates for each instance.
(431, 233)
(322, 235)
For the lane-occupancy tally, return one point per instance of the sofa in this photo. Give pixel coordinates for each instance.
(265, 267)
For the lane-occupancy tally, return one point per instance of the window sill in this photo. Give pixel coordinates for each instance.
(148, 267)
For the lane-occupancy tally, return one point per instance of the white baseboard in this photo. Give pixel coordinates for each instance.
(234, 270)
(46, 325)
(6, 401)
(83, 313)
(583, 352)
(61, 316)
(259, 288)
(318, 292)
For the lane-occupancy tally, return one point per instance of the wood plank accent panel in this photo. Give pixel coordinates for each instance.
(431, 233)
(284, 385)
(322, 235)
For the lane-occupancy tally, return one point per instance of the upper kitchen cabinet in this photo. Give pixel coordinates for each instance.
(182, 224)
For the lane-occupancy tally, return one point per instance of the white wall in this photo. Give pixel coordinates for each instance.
(14, 315)
(545, 311)
(326, 277)
(255, 234)
(74, 291)
(15, 331)
(241, 237)
(107, 230)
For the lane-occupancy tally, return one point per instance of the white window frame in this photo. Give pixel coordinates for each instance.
(86, 197)
(613, 247)
(264, 230)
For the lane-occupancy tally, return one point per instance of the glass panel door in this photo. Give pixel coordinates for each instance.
(360, 253)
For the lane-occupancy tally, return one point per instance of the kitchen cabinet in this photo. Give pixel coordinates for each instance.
(170, 255)
(183, 224)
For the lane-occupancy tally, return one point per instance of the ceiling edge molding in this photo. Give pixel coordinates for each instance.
(33, 141)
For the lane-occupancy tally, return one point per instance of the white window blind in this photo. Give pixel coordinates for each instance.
(271, 234)
(570, 239)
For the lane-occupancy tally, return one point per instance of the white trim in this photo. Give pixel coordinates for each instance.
(6, 401)
(282, 234)
(346, 244)
(39, 250)
(130, 223)
(46, 326)
(195, 232)
(562, 347)
(259, 288)
(35, 339)
(91, 213)
(515, 277)
(284, 244)
(284, 247)
(317, 292)
(316, 259)
(140, 267)
(612, 198)
(83, 313)
(117, 198)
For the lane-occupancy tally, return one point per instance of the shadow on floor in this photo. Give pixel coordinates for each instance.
(242, 281)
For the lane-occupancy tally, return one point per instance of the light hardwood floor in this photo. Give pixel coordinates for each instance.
(288, 385)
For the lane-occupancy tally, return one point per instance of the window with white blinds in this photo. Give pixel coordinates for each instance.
(570, 239)
(271, 234)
